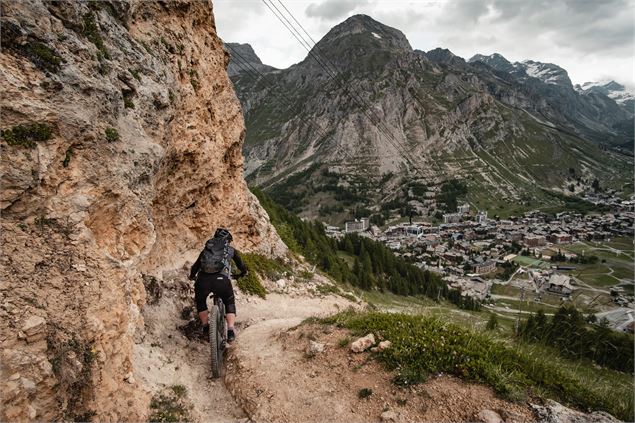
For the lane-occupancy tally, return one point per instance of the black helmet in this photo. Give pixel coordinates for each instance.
(223, 233)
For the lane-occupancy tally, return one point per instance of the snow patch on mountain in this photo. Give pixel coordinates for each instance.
(376, 35)
(612, 89)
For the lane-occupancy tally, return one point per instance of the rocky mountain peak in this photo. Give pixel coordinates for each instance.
(611, 89)
(362, 29)
(243, 56)
(442, 55)
(495, 61)
(546, 72)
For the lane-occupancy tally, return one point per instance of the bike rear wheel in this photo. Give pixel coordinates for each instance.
(215, 340)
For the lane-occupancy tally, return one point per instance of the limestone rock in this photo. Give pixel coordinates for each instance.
(554, 412)
(315, 347)
(383, 345)
(362, 344)
(489, 416)
(390, 416)
(33, 325)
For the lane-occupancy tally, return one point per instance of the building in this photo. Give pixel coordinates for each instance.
(481, 217)
(484, 267)
(358, 225)
(560, 238)
(465, 208)
(534, 240)
(414, 230)
(452, 218)
(514, 236)
(559, 284)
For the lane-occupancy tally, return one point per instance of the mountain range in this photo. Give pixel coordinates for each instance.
(367, 125)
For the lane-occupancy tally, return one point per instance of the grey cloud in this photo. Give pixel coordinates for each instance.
(333, 9)
(402, 20)
(585, 26)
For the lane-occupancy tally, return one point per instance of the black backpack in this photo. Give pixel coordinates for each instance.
(215, 255)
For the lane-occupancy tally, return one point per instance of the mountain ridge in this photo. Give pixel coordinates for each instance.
(426, 117)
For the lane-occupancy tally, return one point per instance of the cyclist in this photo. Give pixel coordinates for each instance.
(218, 281)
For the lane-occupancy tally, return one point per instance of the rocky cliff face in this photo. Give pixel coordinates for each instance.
(121, 152)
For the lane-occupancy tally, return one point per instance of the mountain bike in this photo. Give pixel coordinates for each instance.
(217, 333)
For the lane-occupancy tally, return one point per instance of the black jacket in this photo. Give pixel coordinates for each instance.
(232, 254)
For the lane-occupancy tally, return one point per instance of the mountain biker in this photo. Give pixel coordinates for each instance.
(217, 282)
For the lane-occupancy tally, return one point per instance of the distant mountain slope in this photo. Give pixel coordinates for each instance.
(376, 125)
(611, 89)
(244, 57)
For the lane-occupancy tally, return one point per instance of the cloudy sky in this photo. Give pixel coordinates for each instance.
(592, 39)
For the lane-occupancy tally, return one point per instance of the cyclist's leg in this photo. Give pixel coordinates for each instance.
(222, 287)
(202, 288)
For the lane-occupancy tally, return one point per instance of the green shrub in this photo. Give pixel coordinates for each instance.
(365, 393)
(43, 56)
(127, 98)
(111, 135)
(91, 31)
(135, 74)
(67, 157)
(179, 390)
(27, 135)
(269, 268)
(251, 284)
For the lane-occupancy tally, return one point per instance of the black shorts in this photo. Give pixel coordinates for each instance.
(217, 283)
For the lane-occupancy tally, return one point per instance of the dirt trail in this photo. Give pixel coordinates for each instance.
(164, 357)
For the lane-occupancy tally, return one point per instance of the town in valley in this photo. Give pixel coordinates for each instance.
(522, 264)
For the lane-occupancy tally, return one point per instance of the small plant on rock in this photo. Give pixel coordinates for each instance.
(111, 135)
(365, 393)
(27, 135)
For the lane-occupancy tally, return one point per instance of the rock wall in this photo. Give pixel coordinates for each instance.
(121, 152)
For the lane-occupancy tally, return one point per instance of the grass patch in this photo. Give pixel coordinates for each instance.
(343, 343)
(27, 135)
(364, 393)
(531, 261)
(328, 289)
(170, 406)
(111, 134)
(424, 345)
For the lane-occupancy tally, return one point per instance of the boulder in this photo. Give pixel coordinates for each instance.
(489, 416)
(362, 344)
(315, 347)
(389, 416)
(33, 325)
(554, 412)
(383, 345)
